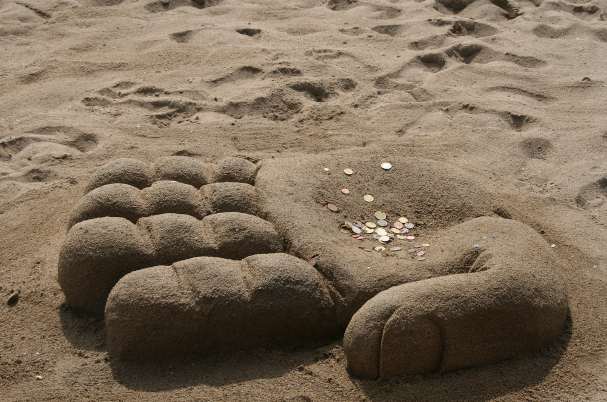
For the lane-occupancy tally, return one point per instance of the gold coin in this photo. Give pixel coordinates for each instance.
(395, 231)
(368, 198)
(371, 225)
(398, 225)
(380, 215)
(402, 219)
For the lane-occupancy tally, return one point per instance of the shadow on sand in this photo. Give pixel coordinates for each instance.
(474, 384)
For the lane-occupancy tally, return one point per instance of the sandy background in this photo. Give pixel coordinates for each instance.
(520, 101)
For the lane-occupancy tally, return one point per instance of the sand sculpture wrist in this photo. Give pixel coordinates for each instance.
(186, 265)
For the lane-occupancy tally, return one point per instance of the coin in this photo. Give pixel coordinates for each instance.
(332, 207)
(326, 169)
(395, 231)
(356, 229)
(382, 223)
(397, 225)
(420, 258)
(381, 231)
(368, 198)
(371, 225)
(409, 225)
(345, 191)
(404, 230)
(349, 171)
(386, 165)
(425, 244)
(410, 237)
(402, 219)
(368, 230)
(380, 215)
(384, 239)
(400, 237)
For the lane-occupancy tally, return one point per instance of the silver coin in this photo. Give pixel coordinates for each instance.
(356, 229)
(382, 223)
(386, 165)
(349, 171)
(409, 225)
(384, 239)
(404, 230)
(381, 231)
(380, 215)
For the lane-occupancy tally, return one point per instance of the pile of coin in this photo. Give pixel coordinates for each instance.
(387, 231)
(380, 229)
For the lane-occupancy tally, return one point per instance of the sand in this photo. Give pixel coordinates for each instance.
(508, 94)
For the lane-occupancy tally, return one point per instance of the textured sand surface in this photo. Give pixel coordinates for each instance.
(520, 101)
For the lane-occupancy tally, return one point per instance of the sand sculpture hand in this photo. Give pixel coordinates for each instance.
(187, 257)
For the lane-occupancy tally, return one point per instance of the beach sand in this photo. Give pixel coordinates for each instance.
(516, 95)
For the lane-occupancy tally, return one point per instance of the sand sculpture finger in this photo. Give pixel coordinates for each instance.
(207, 304)
(97, 252)
(175, 168)
(127, 201)
(507, 304)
